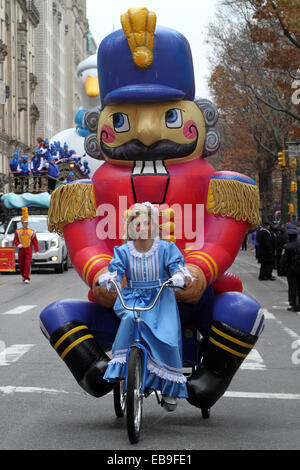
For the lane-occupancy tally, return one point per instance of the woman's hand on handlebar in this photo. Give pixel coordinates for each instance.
(177, 281)
(105, 297)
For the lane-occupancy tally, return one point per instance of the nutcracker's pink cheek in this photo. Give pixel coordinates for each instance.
(190, 130)
(107, 135)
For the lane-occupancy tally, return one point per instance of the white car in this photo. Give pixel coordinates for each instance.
(52, 253)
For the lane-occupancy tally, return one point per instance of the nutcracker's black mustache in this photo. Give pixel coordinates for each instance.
(136, 150)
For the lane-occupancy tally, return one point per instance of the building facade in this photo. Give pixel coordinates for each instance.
(62, 42)
(18, 110)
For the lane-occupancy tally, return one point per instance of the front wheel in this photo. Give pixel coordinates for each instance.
(120, 399)
(134, 394)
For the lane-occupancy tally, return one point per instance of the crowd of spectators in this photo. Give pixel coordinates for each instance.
(46, 160)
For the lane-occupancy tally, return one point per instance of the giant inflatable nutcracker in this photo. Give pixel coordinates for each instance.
(154, 137)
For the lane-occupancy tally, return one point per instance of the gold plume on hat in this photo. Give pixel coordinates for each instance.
(139, 27)
(24, 214)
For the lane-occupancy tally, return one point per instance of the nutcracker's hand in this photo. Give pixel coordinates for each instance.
(104, 297)
(194, 289)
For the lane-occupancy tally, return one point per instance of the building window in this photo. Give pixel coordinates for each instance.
(22, 89)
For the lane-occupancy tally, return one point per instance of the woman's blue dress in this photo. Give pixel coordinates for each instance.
(160, 327)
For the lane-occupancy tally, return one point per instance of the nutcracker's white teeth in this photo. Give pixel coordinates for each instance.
(156, 167)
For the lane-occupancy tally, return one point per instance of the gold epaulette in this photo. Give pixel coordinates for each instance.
(234, 198)
(69, 203)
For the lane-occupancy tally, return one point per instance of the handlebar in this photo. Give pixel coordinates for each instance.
(141, 309)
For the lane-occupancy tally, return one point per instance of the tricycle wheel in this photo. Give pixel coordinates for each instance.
(134, 394)
(205, 413)
(120, 399)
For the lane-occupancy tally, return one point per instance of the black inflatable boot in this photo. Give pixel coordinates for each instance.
(223, 354)
(76, 345)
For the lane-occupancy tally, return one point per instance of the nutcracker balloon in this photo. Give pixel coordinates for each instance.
(154, 137)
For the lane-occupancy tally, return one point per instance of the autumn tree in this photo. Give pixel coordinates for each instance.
(275, 26)
(254, 131)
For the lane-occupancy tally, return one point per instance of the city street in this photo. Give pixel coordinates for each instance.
(42, 407)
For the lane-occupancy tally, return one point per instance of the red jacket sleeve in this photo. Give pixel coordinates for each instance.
(16, 239)
(35, 243)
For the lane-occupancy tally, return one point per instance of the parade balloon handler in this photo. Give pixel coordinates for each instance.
(147, 263)
(154, 137)
(25, 240)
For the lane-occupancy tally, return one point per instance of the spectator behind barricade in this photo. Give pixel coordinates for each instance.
(274, 233)
(38, 168)
(282, 239)
(295, 221)
(266, 253)
(254, 241)
(25, 169)
(72, 155)
(45, 147)
(53, 173)
(37, 162)
(245, 242)
(40, 142)
(54, 152)
(290, 265)
(85, 168)
(66, 154)
(25, 166)
(15, 162)
(70, 177)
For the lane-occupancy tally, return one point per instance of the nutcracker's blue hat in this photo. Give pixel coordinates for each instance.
(159, 70)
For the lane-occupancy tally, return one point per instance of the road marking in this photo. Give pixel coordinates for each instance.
(277, 396)
(9, 390)
(254, 361)
(268, 315)
(4, 283)
(19, 310)
(13, 353)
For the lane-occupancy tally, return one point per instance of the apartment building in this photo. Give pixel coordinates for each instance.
(19, 113)
(63, 40)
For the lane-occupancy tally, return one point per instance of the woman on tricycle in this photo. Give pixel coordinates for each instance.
(147, 261)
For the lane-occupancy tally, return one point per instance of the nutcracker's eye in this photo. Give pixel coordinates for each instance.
(121, 122)
(174, 118)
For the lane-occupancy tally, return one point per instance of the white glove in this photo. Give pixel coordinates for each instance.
(105, 279)
(20, 245)
(178, 280)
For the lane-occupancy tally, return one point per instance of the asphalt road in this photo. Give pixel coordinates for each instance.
(42, 407)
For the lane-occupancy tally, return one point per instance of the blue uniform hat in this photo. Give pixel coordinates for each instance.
(170, 77)
(16, 153)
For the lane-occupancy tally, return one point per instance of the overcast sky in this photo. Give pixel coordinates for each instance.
(190, 17)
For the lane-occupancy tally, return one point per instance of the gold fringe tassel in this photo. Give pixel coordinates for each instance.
(69, 203)
(234, 199)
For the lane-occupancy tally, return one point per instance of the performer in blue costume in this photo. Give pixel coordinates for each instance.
(160, 327)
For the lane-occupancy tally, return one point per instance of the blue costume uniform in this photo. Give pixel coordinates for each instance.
(160, 327)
